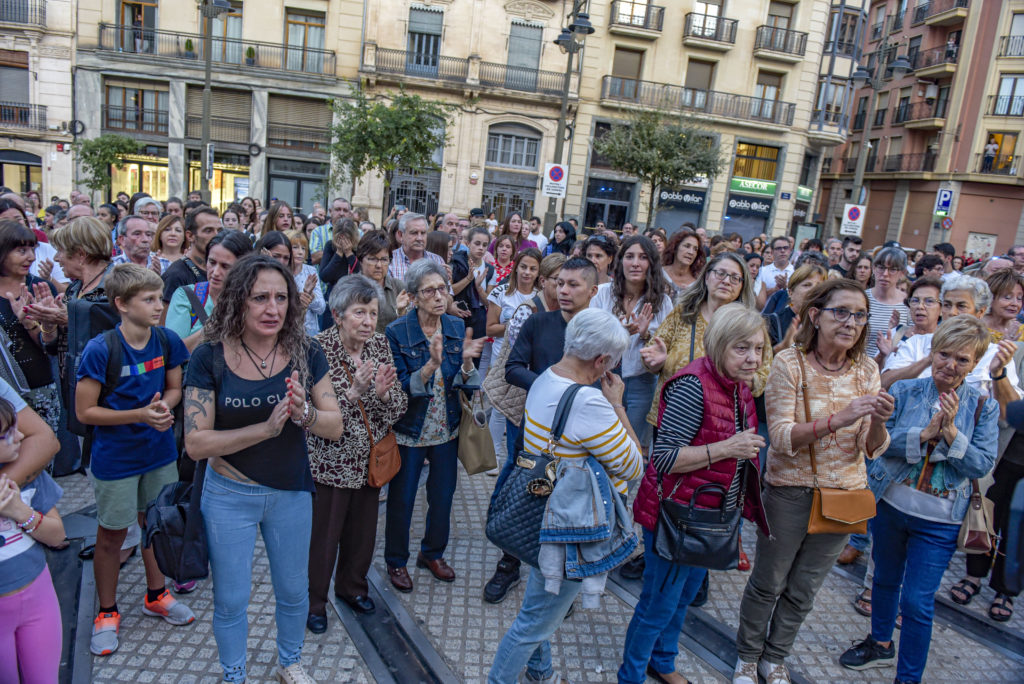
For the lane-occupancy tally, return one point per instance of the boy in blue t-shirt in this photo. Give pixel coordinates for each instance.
(133, 449)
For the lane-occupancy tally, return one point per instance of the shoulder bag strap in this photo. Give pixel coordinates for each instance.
(693, 335)
(198, 308)
(562, 415)
(807, 413)
(192, 267)
(359, 402)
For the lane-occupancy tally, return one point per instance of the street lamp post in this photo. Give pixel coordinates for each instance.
(211, 9)
(862, 77)
(569, 41)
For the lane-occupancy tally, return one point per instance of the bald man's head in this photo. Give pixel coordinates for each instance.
(79, 210)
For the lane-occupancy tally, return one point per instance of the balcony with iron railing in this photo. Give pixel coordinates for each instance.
(709, 31)
(938, 61)
(141, 41)
(521, 78)
(21, 115)
(702, 102)
(1011, 46)
(135, 119)
(925, 115)
(289, 137)
(877, 30)
(221, 129)
(879, 118)
(636, 18)
(918, 162)
(23, 13)
(1005, 105)
(858, 121)
(896, 24)
(780, 44)
(999, 165)
(422, 65)
(941, 12)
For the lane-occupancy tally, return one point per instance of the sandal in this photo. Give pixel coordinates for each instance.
(968, 590)
(1003, 603)
(862, 604)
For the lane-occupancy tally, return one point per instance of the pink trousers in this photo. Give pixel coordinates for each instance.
(30, 634)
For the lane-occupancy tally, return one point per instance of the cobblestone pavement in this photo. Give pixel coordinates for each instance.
(465, 630)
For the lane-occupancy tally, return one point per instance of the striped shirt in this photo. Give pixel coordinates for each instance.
(684, 413)
(592, 429)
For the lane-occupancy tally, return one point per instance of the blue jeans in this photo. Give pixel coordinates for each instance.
(441, 480)
(512, 432)
(653, 634)
(861, 542)
(526, 644)
(637, 399)
(232, 512)
(905, 542)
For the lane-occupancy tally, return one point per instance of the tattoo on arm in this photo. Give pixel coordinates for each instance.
(197, 402)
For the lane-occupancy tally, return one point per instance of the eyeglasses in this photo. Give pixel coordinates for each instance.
(722, 274)
(927, 301)
(842, 315)
(376, 260)
(429, 292)
(781, 248)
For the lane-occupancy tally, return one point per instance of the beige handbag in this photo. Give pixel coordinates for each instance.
(476, 447)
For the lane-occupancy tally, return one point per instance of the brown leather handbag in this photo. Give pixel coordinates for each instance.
(834, 511)
(385, 459)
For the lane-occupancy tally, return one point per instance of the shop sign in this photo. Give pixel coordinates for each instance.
(753, 186)
(749, 206)
(685, 198)
(804, 193)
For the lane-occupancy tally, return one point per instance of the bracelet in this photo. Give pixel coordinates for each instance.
(36, 526)
(814, 428)
(708, 449)
(1001, 375)
(467, 372)
(28, 523)
(621, 406)
(48, 332)
(309, 416)
(829, 422)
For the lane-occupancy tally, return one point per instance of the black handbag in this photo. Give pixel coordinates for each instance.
(700, 537)
(517, 508)
(174, 530)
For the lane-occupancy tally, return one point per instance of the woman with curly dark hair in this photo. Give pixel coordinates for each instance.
(278, 218)
(254, 388)
(684, 260)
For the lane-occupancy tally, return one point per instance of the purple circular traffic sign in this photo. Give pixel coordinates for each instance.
(853, 214)
(556, 173)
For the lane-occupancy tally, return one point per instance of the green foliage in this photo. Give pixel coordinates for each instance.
(382, 136)
(250, 53)
(662, 149)
(97, 155)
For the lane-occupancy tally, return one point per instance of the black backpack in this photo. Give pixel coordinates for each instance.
(174, 523)
(87, 318)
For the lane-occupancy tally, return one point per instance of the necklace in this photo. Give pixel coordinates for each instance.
(822, 363)
(90, 283)
(263, 359)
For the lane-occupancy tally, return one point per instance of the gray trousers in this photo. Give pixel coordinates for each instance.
(788, 571)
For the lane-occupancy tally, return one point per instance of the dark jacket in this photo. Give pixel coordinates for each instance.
(537, 348)
(411, 351)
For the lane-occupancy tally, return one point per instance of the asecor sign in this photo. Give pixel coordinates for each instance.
(752, 186)
(554, 182)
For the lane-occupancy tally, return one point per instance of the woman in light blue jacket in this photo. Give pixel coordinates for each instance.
(943, 435)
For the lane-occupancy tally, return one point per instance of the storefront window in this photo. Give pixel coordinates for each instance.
(230, 181)
(141, 174)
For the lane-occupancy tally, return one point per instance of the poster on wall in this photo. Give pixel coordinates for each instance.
(241, 188)
(980, 245)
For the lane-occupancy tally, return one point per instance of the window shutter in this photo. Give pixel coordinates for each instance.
(298, 111)
(524, 44)
(422, 20)
(224, 103)
(14, 84)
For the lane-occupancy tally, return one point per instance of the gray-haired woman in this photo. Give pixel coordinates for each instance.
(362, 374)
(885, 300)
(598, 427)
(433, 355)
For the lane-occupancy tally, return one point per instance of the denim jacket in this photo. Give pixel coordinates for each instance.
(585, 513)
(971, 455)
(411, 351)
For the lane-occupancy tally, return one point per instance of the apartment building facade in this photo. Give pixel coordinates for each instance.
(770, 79)
(275, 67)
(953, 122)
(36, 50)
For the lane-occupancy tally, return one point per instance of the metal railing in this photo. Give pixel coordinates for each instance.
(710, 102)
(1011, 46)
(251, 53)
(877, 30)
(289, 137)
(221, 129)
(999, 165)
(710, 27)
(908, 163)
(24, 12)
(422, 65)
(1006, 105)
(829, 117)
(521, 78)
(930, 8)
(843, 48)
(879, 118)
(897, 22)
(858, 121)
(21, 115)
(926, 110)
(637, 14)
(780, 40)
(118, 118)
(944, 54)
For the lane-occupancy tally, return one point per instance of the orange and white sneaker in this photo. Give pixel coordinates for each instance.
(104, 633)
(169, 608)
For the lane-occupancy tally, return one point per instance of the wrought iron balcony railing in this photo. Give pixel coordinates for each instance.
(23, 12)
(21, 115)
(710, 27)
(153, 121)
(780, 40)
(637, 15)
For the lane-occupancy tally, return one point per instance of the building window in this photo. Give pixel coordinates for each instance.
(807, 170)
(829, 103)
(756, 161)
(424, 47)
(1010, 101)
(305, 41)
(842, 33)
(767, 92)
(227, 36)
(513, 148)
(699, 77)
(780, 14)
(14, 79)
(139, 15)
(134, 108)
(881, 105)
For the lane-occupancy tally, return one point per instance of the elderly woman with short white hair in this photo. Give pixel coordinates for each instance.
(597, 426)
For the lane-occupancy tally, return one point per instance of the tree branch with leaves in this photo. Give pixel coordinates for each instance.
(662, 149)
(96, 156)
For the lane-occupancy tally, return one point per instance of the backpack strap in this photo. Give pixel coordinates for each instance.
(114, 357)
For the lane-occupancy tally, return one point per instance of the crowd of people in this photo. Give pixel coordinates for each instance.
(279, 360)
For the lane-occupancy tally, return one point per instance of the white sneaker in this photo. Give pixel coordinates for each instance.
(293, 674)
(746, 673)
(772, 673)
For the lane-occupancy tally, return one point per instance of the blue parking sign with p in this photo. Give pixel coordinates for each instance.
(943, 201)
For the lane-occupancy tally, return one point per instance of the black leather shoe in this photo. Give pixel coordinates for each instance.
(633, 569)
(360, 604)
(506, 576)
(317, 624)
(702, 594)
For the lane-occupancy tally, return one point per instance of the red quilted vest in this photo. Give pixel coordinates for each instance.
(719, 424)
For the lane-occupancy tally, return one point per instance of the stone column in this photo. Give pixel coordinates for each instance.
(177, 168)
(258, 135)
